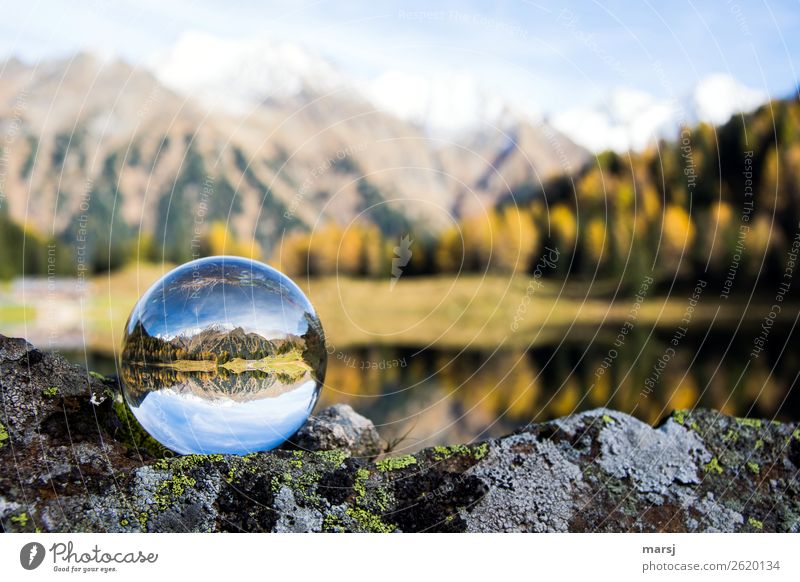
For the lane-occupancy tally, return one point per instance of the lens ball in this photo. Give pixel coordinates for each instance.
(223, 355)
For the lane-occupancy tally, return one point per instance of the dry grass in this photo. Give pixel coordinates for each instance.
(468, 311)
(290, 363)
(482, 311)
(190, 365)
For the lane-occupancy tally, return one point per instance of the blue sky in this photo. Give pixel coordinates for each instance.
(551, 55)
(190, 424)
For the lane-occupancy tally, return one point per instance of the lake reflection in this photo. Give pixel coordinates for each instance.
(429, 397)
(434, 397)
(202, 414)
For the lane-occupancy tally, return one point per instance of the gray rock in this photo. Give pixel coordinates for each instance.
(719, 519)
(651, 459)
(531, 486)
(72, 458)
(339, 427)
(293, 518)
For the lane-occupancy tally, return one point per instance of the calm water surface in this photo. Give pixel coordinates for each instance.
(424, 397)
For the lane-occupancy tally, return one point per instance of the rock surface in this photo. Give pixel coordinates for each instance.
(339, 427)
(73, 459)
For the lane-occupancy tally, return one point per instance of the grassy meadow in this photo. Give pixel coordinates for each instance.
(442, 311)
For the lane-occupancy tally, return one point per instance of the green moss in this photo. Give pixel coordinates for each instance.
(50, 392)
(142, 519)
(20, 520)
(395, 463)
(231, 476)
(731, 436)
(275, 483)
(796, 433)
(215, 458)
(237, 467)
(334, 458)
(756, 523)
(171, 489)
(368, 521)
(359, 485)
(123, 522)
(178, 485)
(133, 435)
(440, 453)
(383, 498)
(753, 467)
(751, 422)
(363, 505)
(304, 484)
(694, 426)
(186, 462)
(759, 444)
(298, 474)
(332, 523)
(680, 416)
(607, 419)
(97, 375)
(713, 466)
(3, 435)
(446, 452)
(477, 452)
(481, 451)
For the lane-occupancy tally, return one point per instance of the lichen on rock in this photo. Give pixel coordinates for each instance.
(73, 459)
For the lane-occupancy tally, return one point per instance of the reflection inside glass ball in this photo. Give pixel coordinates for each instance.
(223, 355)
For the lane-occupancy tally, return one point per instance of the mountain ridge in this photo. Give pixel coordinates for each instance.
(150, 161)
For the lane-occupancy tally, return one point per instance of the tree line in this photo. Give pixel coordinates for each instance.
(712, 200)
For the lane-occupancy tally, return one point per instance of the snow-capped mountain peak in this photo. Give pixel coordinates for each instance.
(450, 102)
(239, 74)
(236, 74)
(633, 119)
(719, 96)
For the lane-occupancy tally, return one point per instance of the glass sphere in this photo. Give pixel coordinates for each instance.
(223, 355)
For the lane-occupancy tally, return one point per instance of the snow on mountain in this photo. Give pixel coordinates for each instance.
(238, 74)
(718, 97)
(633, 119)
(448, 103)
